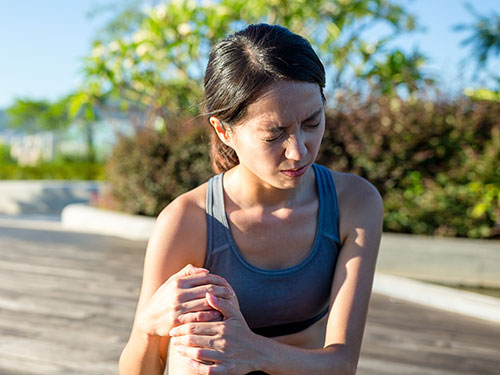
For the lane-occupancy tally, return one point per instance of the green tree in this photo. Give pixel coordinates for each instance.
(155, 63)
(399, 71)
(35, 115)
(484, 39)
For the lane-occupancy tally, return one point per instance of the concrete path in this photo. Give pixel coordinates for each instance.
(67, 302)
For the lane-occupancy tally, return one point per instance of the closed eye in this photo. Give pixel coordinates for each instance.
(273, 139)
(313, 125)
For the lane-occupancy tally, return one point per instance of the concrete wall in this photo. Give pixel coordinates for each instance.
(454, 261)
(44, 197)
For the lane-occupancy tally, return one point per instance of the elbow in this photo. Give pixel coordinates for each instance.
(344, 362)
(349, 368)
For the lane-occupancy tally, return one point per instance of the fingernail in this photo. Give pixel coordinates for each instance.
(180, 349)
(172, 332)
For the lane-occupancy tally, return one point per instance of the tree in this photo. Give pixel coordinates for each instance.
(484, 38)
(156, 61)
(35, 115)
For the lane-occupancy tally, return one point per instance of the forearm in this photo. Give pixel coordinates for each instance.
(280, 359)
(141, 356)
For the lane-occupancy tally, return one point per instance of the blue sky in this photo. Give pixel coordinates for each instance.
(42, 43)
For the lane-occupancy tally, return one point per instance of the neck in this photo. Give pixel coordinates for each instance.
(247, 190)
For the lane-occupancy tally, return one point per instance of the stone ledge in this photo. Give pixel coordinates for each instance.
(80, 217)
(44, 197)
(439, 297)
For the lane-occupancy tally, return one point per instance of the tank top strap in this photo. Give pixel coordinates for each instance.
(215, 217)
(328, 198)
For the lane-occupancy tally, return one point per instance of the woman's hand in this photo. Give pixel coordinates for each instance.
(226, 347)
(181, 299)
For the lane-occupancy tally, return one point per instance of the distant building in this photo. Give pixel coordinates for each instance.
(33, 148)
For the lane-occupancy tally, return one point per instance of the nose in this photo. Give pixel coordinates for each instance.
(295, 148)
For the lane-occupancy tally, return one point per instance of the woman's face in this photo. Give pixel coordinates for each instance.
(280, 135)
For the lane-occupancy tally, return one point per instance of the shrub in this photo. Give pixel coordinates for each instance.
(53, 171)
(5, 157)
(149, 170)
(435, 163)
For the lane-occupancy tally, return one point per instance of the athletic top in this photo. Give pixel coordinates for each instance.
(283, 301)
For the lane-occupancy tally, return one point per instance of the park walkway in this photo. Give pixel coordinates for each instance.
(67, 301)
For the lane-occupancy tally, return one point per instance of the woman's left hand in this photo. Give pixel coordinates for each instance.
(226, 347)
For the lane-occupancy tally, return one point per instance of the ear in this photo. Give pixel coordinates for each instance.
(223, 132)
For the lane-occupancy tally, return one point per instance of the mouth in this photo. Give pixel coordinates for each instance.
(296, 172)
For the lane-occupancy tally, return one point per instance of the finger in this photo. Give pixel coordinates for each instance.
(198, 279)
(209, 356)
(204, 369)
(200, 304)
(189, 269)
(200, 316)
(200, 291)
(184, 331)
(223, 305)
(195, 341)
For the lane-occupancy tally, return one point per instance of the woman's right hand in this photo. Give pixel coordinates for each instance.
(181, 299)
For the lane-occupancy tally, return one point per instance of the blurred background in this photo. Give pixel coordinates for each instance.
(101, 103)
(111, 91)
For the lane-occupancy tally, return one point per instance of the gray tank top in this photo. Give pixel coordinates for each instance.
(284, 301)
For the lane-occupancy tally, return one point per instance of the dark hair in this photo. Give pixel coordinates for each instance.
(242, 65)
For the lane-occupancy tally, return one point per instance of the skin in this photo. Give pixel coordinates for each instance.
(273, 221)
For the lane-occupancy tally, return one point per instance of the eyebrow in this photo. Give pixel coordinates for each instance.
(311, 117)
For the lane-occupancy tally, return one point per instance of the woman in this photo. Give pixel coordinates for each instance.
(268, 267)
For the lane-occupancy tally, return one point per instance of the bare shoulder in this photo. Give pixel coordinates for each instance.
(352, 187)
(180, 227)
(359, 202)
(178, 239)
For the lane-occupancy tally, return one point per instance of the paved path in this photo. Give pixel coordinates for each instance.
(67, 301)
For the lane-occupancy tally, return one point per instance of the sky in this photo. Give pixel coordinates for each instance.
(42, 43)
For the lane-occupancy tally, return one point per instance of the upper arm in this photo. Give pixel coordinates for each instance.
(361, 215)
(173, 244)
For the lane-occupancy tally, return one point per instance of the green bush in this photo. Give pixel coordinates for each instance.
(5, 157)
(436, 164)
(149, 170)
(53, 171)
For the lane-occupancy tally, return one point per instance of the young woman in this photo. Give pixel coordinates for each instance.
(267, 267)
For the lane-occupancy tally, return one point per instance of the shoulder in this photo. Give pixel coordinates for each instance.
(359, 203)
(180, 229)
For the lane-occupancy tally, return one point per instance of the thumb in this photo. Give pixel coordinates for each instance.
(226, 308)
(191, 270)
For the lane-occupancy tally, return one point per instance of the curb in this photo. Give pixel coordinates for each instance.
(83, 218)
(44, 197)
(440, 297)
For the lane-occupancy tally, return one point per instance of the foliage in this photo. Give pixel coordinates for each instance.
(5, 157)
(435, 163)
(484, 36)
(59, 170)
(150, 169)
(35, 115)
(399, 71)
(156, 61)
